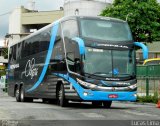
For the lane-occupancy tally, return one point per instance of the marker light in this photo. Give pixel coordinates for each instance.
(135, 95)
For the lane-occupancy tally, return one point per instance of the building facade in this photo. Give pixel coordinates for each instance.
(85, 7)
(23, 22)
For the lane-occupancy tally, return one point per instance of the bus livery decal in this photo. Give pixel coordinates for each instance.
(51, 45)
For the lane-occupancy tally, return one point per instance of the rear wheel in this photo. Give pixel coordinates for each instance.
(17, 94)
(107, 104)
(61, 96)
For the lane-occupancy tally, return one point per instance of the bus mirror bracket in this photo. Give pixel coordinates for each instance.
(144, 48)
(81, 45)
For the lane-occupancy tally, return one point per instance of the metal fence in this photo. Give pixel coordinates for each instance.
(148, 80)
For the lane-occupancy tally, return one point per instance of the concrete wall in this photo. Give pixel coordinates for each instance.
(84, 7)
(21, 20)
(15, 21)
(40, 17)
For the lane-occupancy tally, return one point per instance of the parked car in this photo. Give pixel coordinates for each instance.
(153, 61)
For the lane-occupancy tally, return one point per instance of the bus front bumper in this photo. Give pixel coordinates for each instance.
(90, 95)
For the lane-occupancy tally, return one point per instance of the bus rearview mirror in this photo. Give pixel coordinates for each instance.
(144, 48)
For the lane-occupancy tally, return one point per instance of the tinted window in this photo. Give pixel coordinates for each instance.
(70, 29)
(14, 51)
(58, 55)
(10, 53)
(105, 30)
(44, 41)
(36, 44)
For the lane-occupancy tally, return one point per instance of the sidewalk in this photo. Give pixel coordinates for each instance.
(2, 94)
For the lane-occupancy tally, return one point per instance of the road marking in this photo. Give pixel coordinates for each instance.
(92, 115)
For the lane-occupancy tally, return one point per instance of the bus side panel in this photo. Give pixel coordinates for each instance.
(35, 85)
(26, 63)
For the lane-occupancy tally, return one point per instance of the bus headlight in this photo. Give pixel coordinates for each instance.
(86, 83)
(133, 86)
(135, 95)
(85, 93)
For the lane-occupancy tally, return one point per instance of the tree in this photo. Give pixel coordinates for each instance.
(5, 53)
(143, 16)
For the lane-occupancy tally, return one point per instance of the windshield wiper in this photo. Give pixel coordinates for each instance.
(98, 74)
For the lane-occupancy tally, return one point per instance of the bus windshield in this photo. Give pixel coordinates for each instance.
(105, 30)
(109, 63)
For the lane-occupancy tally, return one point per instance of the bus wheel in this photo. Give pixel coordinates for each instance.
(61, 96)
(17, 94)
(107, 104)
(22, 96)
(96, 103)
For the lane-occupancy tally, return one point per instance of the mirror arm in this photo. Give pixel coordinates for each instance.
(80, 44)
(144, 48)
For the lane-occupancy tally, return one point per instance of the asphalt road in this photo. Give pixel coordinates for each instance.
(12, 110)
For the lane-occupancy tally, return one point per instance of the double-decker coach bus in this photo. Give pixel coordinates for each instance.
(76, 58)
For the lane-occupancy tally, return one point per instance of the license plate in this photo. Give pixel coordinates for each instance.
(113, 96)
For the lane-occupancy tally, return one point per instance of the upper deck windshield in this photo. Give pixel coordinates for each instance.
(106, 30)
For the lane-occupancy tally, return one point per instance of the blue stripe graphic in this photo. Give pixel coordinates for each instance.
(144, 48)
(81, 45)
(51, 45)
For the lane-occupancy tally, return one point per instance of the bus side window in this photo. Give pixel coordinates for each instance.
(25, 49)
(58, 55)
(35, 44)
(14, 51)
(18, 51)
(44, 41)
(70, 29)
(10, 54)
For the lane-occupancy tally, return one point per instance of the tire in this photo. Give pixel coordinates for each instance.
(22, 96)
(96, 103)
(17, 94)
(61, 96)
(107, 104)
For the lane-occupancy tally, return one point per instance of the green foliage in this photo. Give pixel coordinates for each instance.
(143, 16)
(2, 70)
(3, 67)
(5, 53)
(148, 99)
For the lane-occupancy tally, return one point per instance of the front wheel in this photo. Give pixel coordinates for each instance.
(22, 96)
(107, 104)
(61, 96)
